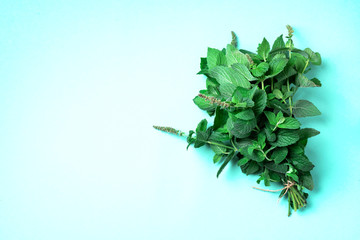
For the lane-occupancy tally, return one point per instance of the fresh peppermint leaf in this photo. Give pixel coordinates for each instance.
(278, 94)
(264, 49)
(226, 161)
(247, 114)
(279, 43)
(277, 65)
(304, 108)
(286, 137)
(290, 123)
(302, 163)
(215, 58)
(260, 69)
(307, 181)
(279, 154)
(306, 133)
(315, 58)
(259, 99)
(235, 56)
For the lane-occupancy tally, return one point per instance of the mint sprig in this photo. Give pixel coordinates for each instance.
(250, 96)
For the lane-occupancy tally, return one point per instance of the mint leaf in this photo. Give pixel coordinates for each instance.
(279, 168)
(302, 163)
(235, 56)
(264, 49)
(277, 65)
(279, 154)
(279, 43)
(290, 123)
(242, 161)
(303, 81)
(306, 133)
(278, 94)
(259, 99)
(315, 58)
(307, 181)
(226, 161)
(201, 127)
(203, 104)
(286, 137)
(260, 69)
(298, 61)
(215, 58)
(304, 108)
(247, 114)
(221, 117)
(240, 128)
(243, 71)
(217, 157)
(226, 75)
(271, 117)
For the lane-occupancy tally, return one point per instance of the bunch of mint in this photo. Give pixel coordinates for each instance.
(250, 96)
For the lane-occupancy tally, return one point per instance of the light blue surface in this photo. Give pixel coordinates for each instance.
(82, 84)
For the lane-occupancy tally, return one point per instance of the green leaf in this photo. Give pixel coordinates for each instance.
(226, 161)
(201, 134)
(243, 94)
(279, 43)
(271, 137)
(242, 161)
(279, 154)
(203, 104)
(302, 81)
(259, 99)
(244, 72)
(226, 75)
(271, 117)
(219, 136)
(221, 117)
(302, 163)
(287, 72)
(292, 172)
(295, 150)
(240, 128)
(286, 137)
(264, 49)
(306, 133)
(265, 177)
(218, 149)
(315, 58)
(246, 114)
(278, 94)
(233, 55)
(276, 104)
(260, 69)
(277, 65)
(262, 139)
(290, 123)
(250, 168)
(279, 168)
(298, 60)
(215, 58)
(217, 158)
(307, 181)
(201, 138)
(304, 108)
(202, 126)
(190, 140)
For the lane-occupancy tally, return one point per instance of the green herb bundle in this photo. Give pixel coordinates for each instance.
(250, 96)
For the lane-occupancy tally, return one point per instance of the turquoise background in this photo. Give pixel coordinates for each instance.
(82, 83)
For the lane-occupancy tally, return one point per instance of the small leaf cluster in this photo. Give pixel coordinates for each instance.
(250, 95)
